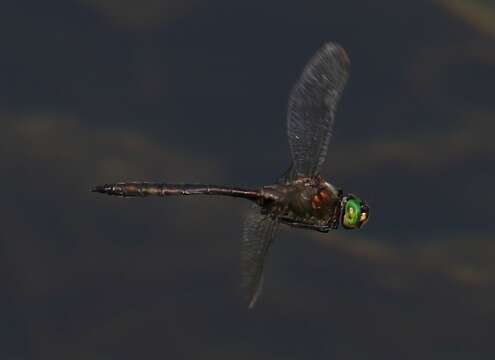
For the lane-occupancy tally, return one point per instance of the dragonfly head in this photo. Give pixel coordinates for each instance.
(355, 212)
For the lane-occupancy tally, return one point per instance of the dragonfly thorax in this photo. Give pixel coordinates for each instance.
(309, 201)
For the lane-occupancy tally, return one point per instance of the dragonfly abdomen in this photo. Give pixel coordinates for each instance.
(142, 189)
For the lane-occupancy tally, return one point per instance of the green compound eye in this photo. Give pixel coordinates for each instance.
(352, 213)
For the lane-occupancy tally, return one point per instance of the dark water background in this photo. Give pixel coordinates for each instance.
(97, 91)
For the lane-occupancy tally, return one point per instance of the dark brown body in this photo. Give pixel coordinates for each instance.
(304, 202)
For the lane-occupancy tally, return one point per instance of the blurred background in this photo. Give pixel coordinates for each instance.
(98, 91)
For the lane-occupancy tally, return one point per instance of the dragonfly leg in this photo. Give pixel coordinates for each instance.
(320, 228)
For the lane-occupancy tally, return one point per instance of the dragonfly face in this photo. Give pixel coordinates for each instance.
(355, 212)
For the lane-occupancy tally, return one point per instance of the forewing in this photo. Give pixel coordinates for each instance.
(287, 176)
(259, 231)
(312, 105)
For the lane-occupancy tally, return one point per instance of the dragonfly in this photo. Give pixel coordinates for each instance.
(301, 197)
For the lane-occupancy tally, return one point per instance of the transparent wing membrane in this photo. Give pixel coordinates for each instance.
(287, 176)
(259, 231)
(312, 105)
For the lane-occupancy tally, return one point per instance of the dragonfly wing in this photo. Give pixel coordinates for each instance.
(312, 104)
(259, 231)
(287, 176)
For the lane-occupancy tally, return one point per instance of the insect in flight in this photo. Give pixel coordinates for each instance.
(301, 197)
